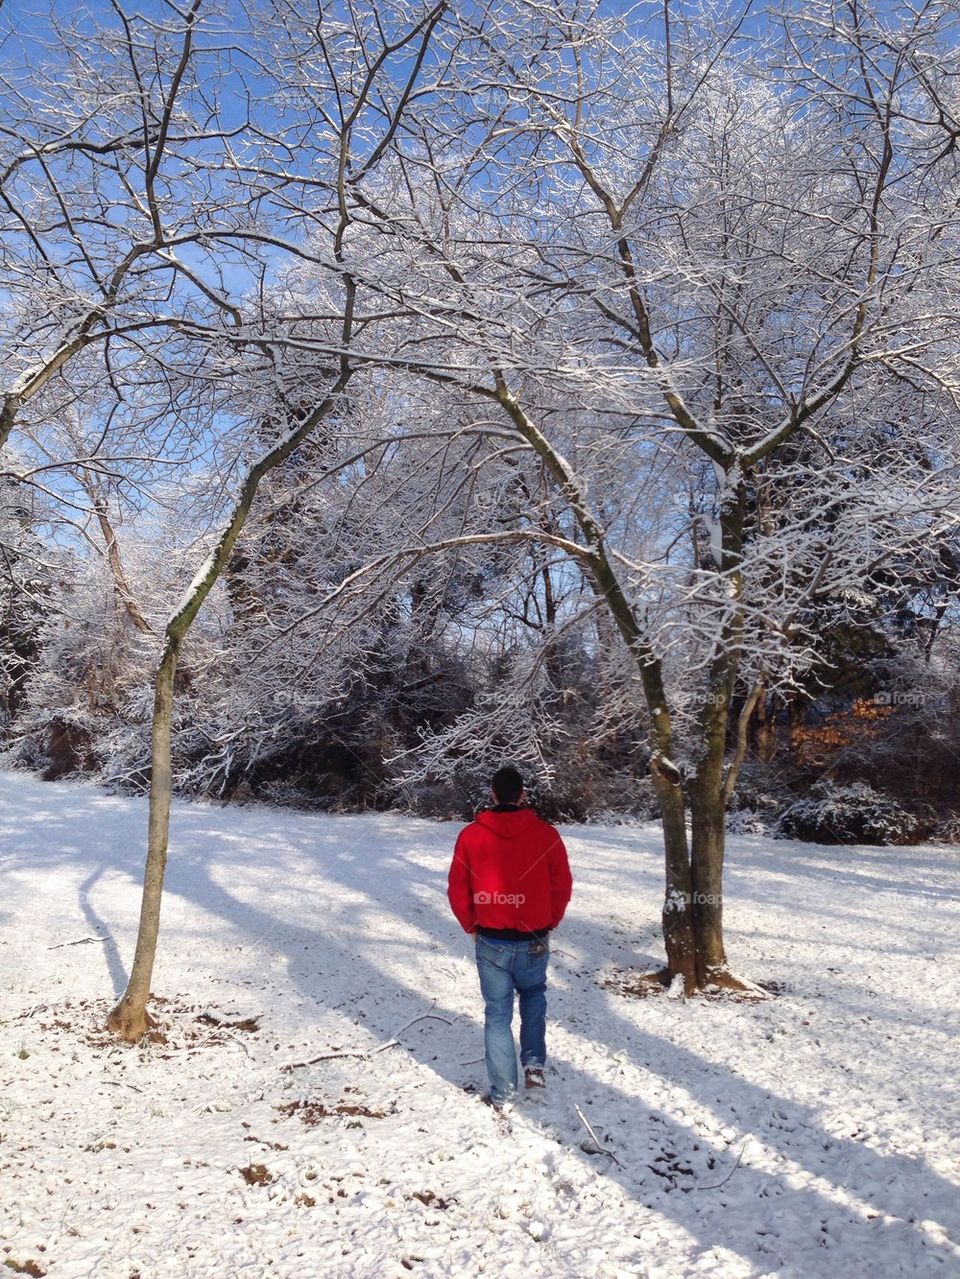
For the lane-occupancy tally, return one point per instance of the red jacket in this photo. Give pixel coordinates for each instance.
(509, 870)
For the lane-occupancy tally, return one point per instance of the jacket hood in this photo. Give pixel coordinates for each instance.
(509, 825)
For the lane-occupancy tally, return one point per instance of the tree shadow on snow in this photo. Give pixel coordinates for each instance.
(900, 1187)
(353, 938)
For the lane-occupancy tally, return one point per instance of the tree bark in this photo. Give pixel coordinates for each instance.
(120, 582)
(679, 937)
(707, 839)
(707, 812)
(130, 1019)
(711, 787)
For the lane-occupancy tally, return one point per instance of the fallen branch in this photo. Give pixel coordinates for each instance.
(30, 1012)
(370, 1052)
(217, 1037)
(447, 1021)
(298, 1065)
(78, 942)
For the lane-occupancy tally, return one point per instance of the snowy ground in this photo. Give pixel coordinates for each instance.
(838, 1098)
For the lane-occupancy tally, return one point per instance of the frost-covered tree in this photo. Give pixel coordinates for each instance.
(561, 328)
(667, 256)
(369, 64)
(28, 576)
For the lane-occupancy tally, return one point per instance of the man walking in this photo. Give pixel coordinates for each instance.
(509, 885)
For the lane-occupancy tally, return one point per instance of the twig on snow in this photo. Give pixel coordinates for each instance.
(729, 1174)
(370, 1052)
(298, 1065)
(29, 1012)
(78, 942)
(447, 1021)
(214, 1037)
(601, 1150)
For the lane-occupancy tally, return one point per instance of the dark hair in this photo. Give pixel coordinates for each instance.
(507, 785)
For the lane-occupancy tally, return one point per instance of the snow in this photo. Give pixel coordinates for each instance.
(810, 1135)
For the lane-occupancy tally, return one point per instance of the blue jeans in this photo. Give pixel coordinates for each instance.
(505, 967)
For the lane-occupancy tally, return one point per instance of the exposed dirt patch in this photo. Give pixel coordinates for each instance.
(311, 1112)
(270, 1145)
(175, 1026)
(256, 1174)
(430, 1200)
(635, 985)
(626, 981)
(24, 1268)
(248, 1024)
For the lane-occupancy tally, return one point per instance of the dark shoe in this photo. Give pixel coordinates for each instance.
(533, 1077)
(501, 1107)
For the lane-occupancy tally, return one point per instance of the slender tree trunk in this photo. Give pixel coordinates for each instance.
(679, 938)
(121, 585)
(765, 730)
(130, 1019)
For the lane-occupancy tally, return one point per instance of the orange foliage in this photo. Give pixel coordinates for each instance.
(862, 721)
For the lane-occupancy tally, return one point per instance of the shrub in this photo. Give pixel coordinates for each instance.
(854, 814)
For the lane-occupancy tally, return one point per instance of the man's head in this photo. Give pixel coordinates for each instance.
(507, 785)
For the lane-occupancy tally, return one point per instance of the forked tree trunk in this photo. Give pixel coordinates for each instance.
(678, 926)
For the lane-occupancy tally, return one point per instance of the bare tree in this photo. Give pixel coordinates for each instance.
(368, 78)
(679, 285)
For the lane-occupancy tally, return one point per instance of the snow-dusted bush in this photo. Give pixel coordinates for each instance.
(757, 802)
(947, 830)
(854, 814)
(745, 821)
(88, 663)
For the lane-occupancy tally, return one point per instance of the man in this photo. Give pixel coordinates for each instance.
(509, 885)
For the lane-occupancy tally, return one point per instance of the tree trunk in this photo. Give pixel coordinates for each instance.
(130, 1019)
(679, 939)
(765, 729)
(709, 789)
(120, 583)
(707, 813)
(678, 933)
(707, 837)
